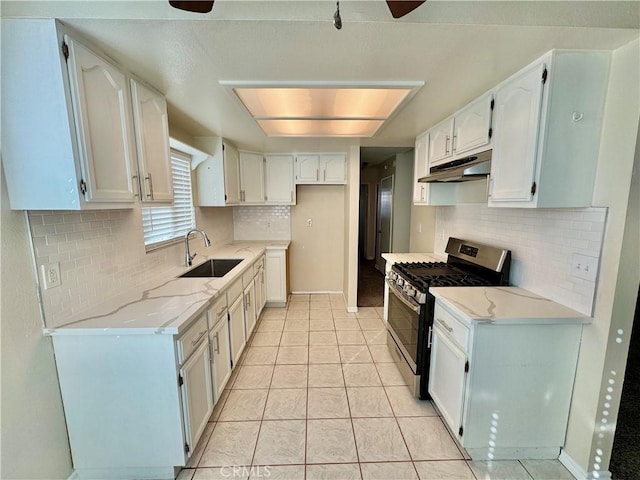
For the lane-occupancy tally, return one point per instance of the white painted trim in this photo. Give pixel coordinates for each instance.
(580, 473)
(352, 309)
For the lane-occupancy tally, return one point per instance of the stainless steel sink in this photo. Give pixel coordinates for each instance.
(216, 267)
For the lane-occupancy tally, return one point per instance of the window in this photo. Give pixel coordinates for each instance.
(163, 225)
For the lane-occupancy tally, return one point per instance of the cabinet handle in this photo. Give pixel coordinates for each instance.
(317, 178)
(195, 341)
(217, 349)
(150, 179)
(324, 175)
(136, 178)
(222, 310)
(429, 337)
(446, 145)
(453, 143)
(445, 325)
(489, 185)
(248, 299)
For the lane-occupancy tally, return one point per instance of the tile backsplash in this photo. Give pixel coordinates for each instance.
(269, 222)
(542, 244)
(102, 254)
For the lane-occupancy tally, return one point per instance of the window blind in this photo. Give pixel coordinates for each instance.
(163, 224)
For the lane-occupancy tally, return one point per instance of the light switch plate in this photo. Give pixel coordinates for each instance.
(584, 267)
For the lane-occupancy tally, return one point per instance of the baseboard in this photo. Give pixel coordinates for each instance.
(352, 309)
(579, 472)
(316, 292)
(74, 476)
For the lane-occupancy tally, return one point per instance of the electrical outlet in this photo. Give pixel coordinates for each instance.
(309, 222)
(584, 266)
(51, 275)
(419, 228)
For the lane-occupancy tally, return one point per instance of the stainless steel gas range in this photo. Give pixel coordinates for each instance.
(410, 308)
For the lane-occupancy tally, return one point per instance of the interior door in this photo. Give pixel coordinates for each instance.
(385, 220)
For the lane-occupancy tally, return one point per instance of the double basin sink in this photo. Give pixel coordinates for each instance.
(215, 267)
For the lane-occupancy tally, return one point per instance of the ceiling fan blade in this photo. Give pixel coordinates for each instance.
(399, 8)
(196, 6)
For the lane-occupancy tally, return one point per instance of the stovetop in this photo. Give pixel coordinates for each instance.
(422, 275)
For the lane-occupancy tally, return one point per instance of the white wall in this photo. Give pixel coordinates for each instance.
(34, 434)
(423, 224)
(402, 199)
(600, 354)
(316, 253)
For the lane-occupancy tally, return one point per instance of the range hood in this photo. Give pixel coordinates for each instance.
(465, 169)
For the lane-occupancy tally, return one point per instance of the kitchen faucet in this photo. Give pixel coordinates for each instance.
(188, 257)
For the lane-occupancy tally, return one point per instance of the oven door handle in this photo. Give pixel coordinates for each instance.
(413, 306)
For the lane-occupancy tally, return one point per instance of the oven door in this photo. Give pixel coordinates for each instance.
(404, 325)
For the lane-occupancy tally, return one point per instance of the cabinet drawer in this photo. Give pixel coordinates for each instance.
(258, 266)
(455, 330)
(234, 291)
(190, 340)
(217, 311)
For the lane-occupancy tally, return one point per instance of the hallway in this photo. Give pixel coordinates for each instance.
(370, 285)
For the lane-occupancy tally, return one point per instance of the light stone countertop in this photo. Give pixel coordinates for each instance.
(166, 305)
(505, 305)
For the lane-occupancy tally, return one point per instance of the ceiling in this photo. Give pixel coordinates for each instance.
(458, 48)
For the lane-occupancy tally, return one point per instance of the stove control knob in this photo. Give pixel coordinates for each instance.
(392, 275)
(410, 291)
(399, 281)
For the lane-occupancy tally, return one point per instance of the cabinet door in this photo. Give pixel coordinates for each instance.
(101, 105)
(307, 169)
(251, 177)
(420, 169)
(152, 142)
(237, 336)
(261, 292)
(517, 120)
(275, 266)
(220, 356)
(279, 179)
(333, 168)
(231, 174)
(249, 308)
(197, 394)
(440, 142)
(447, 378)
(472, 126)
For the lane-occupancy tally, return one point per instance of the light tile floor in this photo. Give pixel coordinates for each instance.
(317, 396)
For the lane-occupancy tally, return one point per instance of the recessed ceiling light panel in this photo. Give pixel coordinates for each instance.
(323, 109)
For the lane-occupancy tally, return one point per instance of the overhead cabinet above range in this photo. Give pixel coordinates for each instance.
(68, 137)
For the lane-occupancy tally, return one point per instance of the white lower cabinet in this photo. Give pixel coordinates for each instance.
(197, 394)
(236, 329)
(276, 270)
(220, 355)
(503, 389)
(261, 292)
(249, 308)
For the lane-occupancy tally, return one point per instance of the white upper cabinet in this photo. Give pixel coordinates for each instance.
(472, 126)
(251, 178)
(152, 141)
(66, 122)
(440, 142)
(548, 119)
(280, 189)
(321, 168)
(217, 177)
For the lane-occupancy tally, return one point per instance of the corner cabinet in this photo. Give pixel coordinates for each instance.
(321, 168)
(66, 114)
(548, 119)
(217, 177)
(152, 141)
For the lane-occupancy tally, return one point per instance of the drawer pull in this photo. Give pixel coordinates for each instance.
(195, 341)
(445, 325)
(221, 312)
(217, 349)
(429, 337)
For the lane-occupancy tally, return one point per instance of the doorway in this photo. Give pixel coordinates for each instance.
(384, 220)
